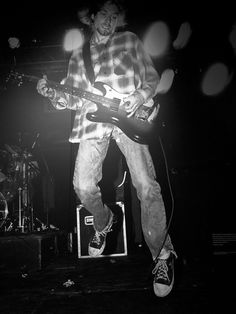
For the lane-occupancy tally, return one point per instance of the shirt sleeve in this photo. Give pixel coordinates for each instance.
(148, 74)
(62, 100)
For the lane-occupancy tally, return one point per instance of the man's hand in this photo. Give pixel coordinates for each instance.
(132, 103)
(43, 89)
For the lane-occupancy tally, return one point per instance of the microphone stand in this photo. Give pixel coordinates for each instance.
(48, 175)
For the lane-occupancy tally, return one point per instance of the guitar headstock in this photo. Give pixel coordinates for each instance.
(20, 78)
(15, 77)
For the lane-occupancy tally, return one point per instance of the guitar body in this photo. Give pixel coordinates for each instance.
(136, 129)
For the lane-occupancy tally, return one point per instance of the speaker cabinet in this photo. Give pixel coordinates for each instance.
(27, 251)
(116, 241)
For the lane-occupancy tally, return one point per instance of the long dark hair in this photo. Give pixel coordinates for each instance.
(98, 5)
(86, 10)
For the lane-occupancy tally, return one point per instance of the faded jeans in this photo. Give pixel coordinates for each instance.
(88, 173)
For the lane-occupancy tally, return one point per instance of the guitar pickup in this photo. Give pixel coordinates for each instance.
(115, 106)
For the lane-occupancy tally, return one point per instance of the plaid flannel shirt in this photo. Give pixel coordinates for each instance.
(122, 63)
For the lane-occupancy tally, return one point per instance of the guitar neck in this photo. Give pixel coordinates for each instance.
(74, 91)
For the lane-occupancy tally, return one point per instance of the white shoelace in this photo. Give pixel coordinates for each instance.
(162, 269)
(97, 235)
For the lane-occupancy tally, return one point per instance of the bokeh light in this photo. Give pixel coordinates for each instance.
(232, 38)
(156, 39)
(73, 39)
(216, 79)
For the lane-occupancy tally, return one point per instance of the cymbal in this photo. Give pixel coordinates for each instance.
(3, 152)
(14, 150)
(17, 152)
(2, 177)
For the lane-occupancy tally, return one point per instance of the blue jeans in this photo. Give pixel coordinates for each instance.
(88, 173)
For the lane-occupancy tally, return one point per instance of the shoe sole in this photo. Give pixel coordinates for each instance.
(91, 251)
(100, 251)
(162, 295)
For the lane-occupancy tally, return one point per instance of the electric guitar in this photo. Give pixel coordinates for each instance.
(109, 107)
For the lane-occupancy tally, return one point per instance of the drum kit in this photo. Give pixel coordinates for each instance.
(18, 168)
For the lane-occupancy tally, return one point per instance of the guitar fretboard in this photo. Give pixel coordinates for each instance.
(113, 104)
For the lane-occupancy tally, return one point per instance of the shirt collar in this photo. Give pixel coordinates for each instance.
(104, 41)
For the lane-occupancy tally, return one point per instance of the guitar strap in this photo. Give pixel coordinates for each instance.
(87, 61)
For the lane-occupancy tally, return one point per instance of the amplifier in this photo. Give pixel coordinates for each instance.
(116, 241)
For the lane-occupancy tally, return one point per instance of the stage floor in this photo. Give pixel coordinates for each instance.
(117, 285)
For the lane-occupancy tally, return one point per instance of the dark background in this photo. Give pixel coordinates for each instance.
(198, 133)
